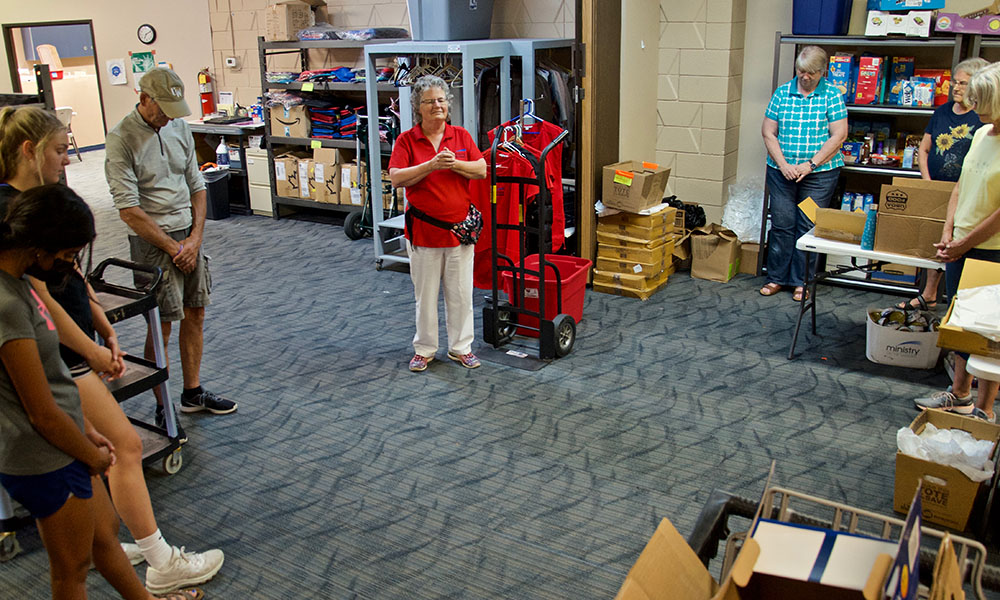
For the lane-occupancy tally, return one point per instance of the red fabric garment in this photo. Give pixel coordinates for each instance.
(442, 194)
(509, 164)
(538, 135)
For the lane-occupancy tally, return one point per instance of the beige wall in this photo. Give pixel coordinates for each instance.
(699, 95)
(236, 24)
(640, 49)
(183, 39)
(762, 22)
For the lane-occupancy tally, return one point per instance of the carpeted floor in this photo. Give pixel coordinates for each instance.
(343, 475)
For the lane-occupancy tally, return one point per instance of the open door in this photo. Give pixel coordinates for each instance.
(68, 48)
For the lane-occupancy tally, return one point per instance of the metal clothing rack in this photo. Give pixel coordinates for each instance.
(390, 246)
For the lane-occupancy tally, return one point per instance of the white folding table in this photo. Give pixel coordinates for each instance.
(812, 245)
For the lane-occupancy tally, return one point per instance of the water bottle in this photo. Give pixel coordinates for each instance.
(222, 155)
(868, 236)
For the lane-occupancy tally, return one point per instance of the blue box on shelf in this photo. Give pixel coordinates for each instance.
(905, 4)
(821, 17)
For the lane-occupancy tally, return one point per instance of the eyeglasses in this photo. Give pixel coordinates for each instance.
(958, 83)
(434, 101)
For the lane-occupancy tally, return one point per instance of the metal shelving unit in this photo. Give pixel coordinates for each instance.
(955, 43)
(266, 49)
(389, 241)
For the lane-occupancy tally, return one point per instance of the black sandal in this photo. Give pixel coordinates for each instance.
(922, 304)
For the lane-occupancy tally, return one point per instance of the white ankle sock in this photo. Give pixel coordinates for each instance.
(156, 550)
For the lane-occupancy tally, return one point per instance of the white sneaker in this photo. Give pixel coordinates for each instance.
(133, 553)
(184, 570)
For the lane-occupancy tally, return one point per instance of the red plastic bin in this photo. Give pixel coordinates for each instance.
(572, 272)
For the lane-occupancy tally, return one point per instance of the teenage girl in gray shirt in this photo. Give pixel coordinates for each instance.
(51, 458)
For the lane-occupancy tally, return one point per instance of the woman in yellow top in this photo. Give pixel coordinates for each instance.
(972, 230)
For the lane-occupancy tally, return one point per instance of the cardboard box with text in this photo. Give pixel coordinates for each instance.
(633, 185)
(715, 253)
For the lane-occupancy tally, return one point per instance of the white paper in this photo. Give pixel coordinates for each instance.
(303, 179)
(318, 172)
(279, 170)
(117, 74)
(226, 98)
(978, 310)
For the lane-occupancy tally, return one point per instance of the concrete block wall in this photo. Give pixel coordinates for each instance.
(699, 88)
(236, 24)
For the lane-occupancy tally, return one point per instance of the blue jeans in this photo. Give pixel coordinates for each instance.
(785, 264)
(953, 272)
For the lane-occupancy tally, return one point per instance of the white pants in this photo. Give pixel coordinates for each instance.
(429, 269)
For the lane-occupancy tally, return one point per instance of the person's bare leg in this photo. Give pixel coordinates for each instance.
(930, 292)
(68, 536)
(961, 386)
(192, 340)
(109, 558)
(987, 395)
(126, 479)
(151, 356)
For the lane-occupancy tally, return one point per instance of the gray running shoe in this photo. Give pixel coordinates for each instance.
(946, 401)
(981, 414)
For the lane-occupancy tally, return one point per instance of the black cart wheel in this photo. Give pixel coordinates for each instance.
(379, 264)
(352, 226)
(565, 334)
(506, 321)
(173, 461)
(9, 546)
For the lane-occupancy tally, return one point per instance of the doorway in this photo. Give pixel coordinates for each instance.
(68, 48)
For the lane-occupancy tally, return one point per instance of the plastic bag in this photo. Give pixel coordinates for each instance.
(320, 31)
(373, 33)
(950, 447)
(744, 208)
(978, 309)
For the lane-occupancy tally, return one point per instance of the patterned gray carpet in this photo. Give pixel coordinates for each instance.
(343, 475)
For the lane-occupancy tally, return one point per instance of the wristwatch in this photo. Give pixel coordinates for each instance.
(812, 166)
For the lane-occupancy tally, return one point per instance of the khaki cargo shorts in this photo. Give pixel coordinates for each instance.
(178, 290)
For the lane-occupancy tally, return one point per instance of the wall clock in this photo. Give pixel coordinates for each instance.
(146, 34)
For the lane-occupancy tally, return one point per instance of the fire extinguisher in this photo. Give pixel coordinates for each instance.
(205, 90)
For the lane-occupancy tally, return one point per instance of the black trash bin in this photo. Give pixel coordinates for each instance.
(217, 184)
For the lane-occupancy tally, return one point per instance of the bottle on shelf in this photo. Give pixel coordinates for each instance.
(222, 154)
(868, 235)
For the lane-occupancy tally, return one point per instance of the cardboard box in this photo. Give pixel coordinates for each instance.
(625, 241)
(634, 185)
(905, 4)
(648, 270)
(286, 175)
(975, 273)
(715, 253)
(913, 236)
(844, 261)
(637, 254)
(869, 71)
(749, 252)
(282, 21)
(916, 198)
(324, 180)
(640, 232)
(839, 74)
(290, 122)
(955, 23)
(886, 345)
(841, 225)
(350, 193)
(948, 495)
(942, 83)
(877, 24)
(631, 286)
(918, 23)
(901, 70)
(665, 217)
(682, 253)
(896, 274)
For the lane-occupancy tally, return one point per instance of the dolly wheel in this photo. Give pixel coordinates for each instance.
(565, 334)
(173, 461)
(9, 546)
(506, 322)
(379, 264)
(352, 226)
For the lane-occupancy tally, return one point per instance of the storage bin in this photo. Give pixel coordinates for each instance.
(821, 17)
(886, 345)
(217, 189)
(572, 274)
(444, 20)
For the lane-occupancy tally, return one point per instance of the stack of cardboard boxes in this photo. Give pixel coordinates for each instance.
(329, 176)
(634, 247)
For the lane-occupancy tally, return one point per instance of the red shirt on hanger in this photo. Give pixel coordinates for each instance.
(442, 194)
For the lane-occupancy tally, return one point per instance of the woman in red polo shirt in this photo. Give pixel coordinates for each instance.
(434, 161)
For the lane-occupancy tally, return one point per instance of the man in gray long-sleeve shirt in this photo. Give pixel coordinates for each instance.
(153, 174)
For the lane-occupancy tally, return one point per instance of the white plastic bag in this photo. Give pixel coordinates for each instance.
(950, 447)
(978, 309)
(743, 210)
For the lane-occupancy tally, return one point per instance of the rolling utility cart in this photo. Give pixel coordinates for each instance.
(122, 303)
(360, 223)
(530, 308)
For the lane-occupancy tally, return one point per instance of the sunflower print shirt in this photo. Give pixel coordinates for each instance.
(951, 136)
